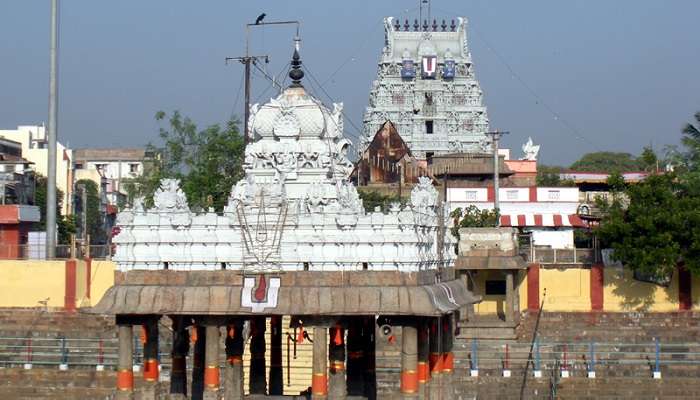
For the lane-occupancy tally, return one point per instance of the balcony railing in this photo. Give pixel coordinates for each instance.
(38, 252)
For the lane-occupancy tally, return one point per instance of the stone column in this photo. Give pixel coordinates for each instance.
(370, 378)
(258, 383)
(319, 380)
(198, 362)
(447, 356)
(211, 362)
(510, 297)
(125, 372)
(276, 379)
(337, 386)
(356, 359)
(149, 331)
(409, 362)
(178, 374)
(423, 368)
(233, 375)
(435, 359)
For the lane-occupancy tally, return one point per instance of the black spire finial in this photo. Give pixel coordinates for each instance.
(444, 25)
(425, 25)
(453, 26)
(434, 25)
(406, 25)
(416, 25)
(296, 73)
(397, 24)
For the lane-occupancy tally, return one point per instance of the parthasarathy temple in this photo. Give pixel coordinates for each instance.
(294, 255)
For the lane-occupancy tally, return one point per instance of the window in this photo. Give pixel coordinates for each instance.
(553, 195)
(133, 168)
(470, 195)
(429, 157)
(495, 288)
(429, 127)
(512, 195)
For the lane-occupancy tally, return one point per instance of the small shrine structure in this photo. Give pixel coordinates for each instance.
(294, 240)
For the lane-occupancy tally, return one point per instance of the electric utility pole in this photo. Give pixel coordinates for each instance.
(247, 60)
(51, 137)
(495, 136)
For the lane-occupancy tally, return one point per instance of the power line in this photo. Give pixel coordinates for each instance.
(538, 99)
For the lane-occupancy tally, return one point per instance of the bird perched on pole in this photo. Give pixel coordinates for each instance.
(259, 19)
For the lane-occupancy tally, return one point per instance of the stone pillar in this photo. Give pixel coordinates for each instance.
(435, 359)
(533, 287)
(198, 362)
(233, 376)
(258, 383)
(423, 369)
(125, 373)
(276, 379)
(178, 374)
(597, 284)
(211, 362)
(409, 362)
(337, 385)
(149, 332)
(510, 297)
(319, 380)
(447, 356)
(370, 378)
(356, 359)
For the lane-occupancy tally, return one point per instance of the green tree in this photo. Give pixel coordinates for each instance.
(654, 226)
(208, 162)
(606, 161)
(648, 159)
(94, 219)
(549, 176)
(372, 199)
(691, 141)
(472, 217)
(65, 224)
(658, 228)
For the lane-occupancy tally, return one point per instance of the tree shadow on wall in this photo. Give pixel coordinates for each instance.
(636, 295)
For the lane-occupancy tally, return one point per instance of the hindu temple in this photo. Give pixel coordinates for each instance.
(294, 255)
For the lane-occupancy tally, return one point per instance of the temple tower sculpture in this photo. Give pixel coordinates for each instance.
(427, 88)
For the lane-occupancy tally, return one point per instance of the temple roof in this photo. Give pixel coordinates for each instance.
(426, 300)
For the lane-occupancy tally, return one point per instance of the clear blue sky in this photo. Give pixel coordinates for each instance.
(622, 73)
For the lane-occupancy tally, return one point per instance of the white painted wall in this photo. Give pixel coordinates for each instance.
(561, 238)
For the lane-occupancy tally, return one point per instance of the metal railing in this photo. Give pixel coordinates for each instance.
(545, 256)
(637, 359)
(38, 252)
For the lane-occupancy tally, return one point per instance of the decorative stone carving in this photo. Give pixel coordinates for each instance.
(348, 198)
(169, 197)
(424, 195)
(138, 206)
(316, 197)
(530, 150)
(243, 191)
(295, 205)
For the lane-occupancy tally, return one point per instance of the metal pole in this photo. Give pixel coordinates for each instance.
(51, 136)
(496, 182)
(246, 111)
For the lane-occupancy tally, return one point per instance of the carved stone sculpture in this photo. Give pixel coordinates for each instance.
(169, 197)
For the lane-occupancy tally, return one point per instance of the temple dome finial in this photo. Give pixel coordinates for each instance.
(296, 74)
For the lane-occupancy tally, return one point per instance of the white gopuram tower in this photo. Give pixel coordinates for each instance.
(426, 86)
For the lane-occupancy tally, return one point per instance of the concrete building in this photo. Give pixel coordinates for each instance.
(549, 213)
(35, 149)
(109, 168)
